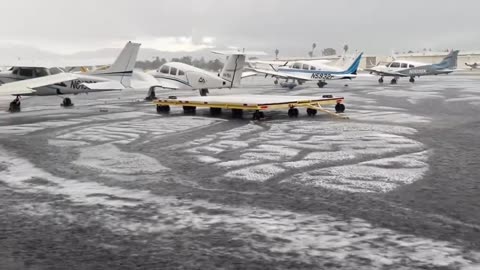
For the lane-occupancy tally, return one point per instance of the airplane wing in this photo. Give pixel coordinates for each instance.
(247, 74)
(26, 87)
(385, 73)
(282, 75)
(285, 62)
(104, 86)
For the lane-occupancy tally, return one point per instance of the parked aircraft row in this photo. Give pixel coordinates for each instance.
(32, 80)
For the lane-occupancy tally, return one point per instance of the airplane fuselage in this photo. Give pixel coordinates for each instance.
(186, 77)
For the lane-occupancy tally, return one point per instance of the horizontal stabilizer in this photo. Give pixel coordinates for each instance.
(247, 74)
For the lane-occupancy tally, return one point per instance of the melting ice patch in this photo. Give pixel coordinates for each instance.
(108, 158)
(278, 148)
(380, 175)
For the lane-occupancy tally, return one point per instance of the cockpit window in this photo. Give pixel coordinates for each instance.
(173, 71)
(181, 73)
(15, 72)
(297, 66)
(404, 65)
(306, 67)
(313, 68)
(40, 72)
(26, 72)
(55, 70)
(164, 69)
(395, 65)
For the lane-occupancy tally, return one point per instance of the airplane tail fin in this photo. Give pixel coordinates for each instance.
(121, 70)
(233, 68)
(352, 69)
(450, 61)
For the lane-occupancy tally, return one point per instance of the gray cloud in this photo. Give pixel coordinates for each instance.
(374, 26)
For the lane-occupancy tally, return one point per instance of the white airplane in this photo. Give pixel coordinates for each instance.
(175, 75)
(405, 68)
(311, 70)
(46, 81)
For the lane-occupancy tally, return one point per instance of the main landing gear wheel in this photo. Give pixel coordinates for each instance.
(258, 115)
(15, 105)
(151, 94)
(380, 80)
(311, 112)
(412, 79)
(393, 81)
(321, 84)
(215, 111)
(237, 113)
(340, 108)
(203, 92)
(67, 102)
(275, 82)
(189, 109)
(163, 109)
(293, 112)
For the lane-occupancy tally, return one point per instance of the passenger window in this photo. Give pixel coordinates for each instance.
(55, 70)
(173, 71)
(297, 66)
(411, 66)
(313, 68)
(181, 73)
(40, 72)
(26, 72)
(306, 67)
(395, 65)
(404, 65)
(164, 69)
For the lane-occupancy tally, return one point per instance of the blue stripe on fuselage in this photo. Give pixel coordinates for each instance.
(351, 70)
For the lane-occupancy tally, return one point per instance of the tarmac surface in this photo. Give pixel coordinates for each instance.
(111, 184)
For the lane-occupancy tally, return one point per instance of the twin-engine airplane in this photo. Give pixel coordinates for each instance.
(310, 70)
(175, 75)
(46, 81)
(404, 68)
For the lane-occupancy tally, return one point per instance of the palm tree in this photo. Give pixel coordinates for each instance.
(276, 53)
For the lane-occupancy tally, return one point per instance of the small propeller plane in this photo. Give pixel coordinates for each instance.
(310, 70)
(175, 75)
(404, 68)
(47, 81)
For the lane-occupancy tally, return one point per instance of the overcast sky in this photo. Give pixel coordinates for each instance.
(373, 26)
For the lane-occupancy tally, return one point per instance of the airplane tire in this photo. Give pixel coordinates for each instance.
(412, 80)
(393, 81)
(340, 108)
(15, 106)
(203, 92)
(67, 102)
(380, 80)
(321, 84)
